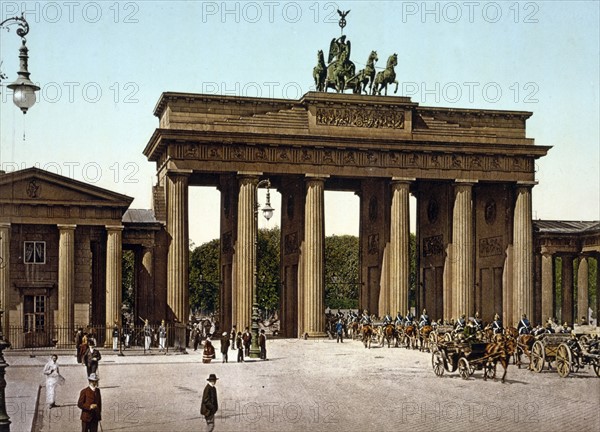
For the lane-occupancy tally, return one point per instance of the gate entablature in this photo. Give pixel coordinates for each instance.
(343, 135)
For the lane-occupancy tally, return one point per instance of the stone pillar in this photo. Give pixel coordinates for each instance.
(313, 257)
(178, 255)
(66, 283)
(522, 254)
(245, 251)
(582, 289)
(447, 285)
(5, 274)
(567, 289)
(399, 263)
(462, 249)
(547, 286)
(114, 296)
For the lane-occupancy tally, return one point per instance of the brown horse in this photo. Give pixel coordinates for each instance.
(410, 336)
(524, 344)
(389, 333)
(367, 333)
(499, 352)
(424, 337)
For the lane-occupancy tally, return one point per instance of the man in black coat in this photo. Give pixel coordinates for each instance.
(210, 405)
(90, 404)
(224, 346)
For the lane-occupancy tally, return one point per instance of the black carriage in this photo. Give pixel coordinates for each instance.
(464, 356)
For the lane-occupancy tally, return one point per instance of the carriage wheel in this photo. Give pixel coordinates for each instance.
(584, 339)
(564, 359)
(596, 367)
(448, 337)
(464, 369)
(490, 369)
(437, 361)
(538, 356)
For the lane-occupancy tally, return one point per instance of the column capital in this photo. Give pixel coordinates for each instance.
(4, 225)
(114, 227)
(179, 173)
(66, 227)
(408, 180)
(527, 184)
(465, 182)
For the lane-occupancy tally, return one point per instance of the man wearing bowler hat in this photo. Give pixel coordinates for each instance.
(209, 402)
(90, 404)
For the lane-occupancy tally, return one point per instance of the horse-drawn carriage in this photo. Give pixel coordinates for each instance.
(576, 353)
(467, 356)
(440, 333)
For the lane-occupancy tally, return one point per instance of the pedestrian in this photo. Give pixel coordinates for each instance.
(240, 347)
(90, 404)
(78, 342)
(224, 346)
(162, 336)
(247, 338)
(83, 347)
(196, 336)
(128, 331)
(53, 378)
(262, 344)
(210, 403)
(233, 336)
(339, 329)
(91, 358)
(147, 336)
(115, 337)
(209, 351)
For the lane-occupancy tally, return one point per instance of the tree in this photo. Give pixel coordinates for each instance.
(127, 281)
(341, 272)
(205, 277)
(268, 274)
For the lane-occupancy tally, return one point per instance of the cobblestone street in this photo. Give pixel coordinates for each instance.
(317, 385)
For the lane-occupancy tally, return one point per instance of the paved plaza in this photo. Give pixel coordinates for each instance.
(316, 385)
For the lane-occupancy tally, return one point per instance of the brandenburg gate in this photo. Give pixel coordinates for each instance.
(472, 172)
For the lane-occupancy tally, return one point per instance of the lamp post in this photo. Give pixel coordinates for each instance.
(4, 418)
(267, 213)
(23, 89)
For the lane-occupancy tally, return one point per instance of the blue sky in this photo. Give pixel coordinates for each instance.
(103, 65)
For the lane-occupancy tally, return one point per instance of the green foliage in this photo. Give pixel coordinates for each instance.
(341, 272)
(268, 277)
(205, 277)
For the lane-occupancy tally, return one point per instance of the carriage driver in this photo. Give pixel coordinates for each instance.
(409, 317)
(497, 325)
(477, 322)
(424, 320)
(524, 327)
(460, 324)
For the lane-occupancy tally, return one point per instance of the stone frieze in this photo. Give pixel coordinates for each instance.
(363, 118)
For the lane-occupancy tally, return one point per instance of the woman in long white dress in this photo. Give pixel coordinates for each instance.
(53, 378)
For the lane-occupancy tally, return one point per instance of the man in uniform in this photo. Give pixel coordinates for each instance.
(399, 319)
(339, 330)
(387, 319)
(162, 336)
(408, 320)
(424, 320)
(90, 404)
(477, 323)
(497, 325)
(524, 327)
(366, 319)
(460, 324)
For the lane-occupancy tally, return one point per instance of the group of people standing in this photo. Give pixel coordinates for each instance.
(235, 340)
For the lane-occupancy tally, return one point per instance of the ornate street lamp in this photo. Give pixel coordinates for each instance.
(23, 89)
(267, 213)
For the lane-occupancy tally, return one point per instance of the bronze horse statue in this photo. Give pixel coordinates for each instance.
(387, 76)
(320, 72)
(365, 76)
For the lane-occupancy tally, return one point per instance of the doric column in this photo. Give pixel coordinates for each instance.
(567, 289)
(66, 283)
(5, 274)
(245, 252)
(547, 286)
(582, 288)
(399, 263)
(522, 253)
(462, 248)
(313, 257)
(178, 255)
(114, 297)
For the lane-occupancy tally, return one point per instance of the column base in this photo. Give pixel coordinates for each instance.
(315, 334)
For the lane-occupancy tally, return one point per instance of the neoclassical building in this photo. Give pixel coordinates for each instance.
(471, 171)
(61, 245)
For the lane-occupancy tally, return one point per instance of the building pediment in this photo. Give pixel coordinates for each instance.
(33, 195)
